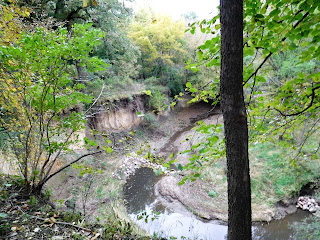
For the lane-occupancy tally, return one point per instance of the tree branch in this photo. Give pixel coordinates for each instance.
(305, 109)
(68, 165)
(95, 101)
(269, 55)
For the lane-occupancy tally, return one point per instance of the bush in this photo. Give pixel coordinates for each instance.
(157, 100)
(175, 87)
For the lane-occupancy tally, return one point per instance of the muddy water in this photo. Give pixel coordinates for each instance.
(140, 198)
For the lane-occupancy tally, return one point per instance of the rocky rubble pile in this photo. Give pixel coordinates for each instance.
(307, 204)
(133, 162)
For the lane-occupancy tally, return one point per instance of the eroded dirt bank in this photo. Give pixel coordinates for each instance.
(206, 197)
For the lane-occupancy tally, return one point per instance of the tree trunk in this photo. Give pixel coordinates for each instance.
(235, 120)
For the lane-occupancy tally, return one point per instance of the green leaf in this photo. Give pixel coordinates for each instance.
(199, 53)
(109, 150)
(213, 139)
(147, 92)
(301, 75)
(265, 52)
(181, 182)
(179, 166)
(212, 194)
(193, 90)
(259, 16)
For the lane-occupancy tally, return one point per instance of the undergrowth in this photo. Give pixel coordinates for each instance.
(34, 217)
(274, 176)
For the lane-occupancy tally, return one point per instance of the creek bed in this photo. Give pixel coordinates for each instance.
(141, 201)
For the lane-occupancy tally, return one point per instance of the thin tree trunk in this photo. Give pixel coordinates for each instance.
(235, 120)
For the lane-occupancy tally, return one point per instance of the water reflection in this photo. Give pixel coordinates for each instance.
(280, 229)
(138, 190)
(170, 224)
(140, 197)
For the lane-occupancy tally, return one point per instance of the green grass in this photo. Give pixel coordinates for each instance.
(274, 173)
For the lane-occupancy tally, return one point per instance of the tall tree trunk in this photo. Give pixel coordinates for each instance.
(235, 120)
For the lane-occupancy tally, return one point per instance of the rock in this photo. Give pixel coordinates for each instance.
(317, 214)
(307, 204)
(312, 209)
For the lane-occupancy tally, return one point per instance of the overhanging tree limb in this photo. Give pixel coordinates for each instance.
(270, 54)
(306, 108)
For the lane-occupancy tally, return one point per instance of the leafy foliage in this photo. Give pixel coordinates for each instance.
(162, 45)
(38, 88)
(11, 24)
(281, 77)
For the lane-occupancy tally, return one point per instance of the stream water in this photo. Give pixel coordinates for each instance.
(140, 198)
(141, 201)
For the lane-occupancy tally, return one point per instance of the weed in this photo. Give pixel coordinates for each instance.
(47, 194)
(212, 194)
(113, 194)
(150, 122)
(5, 227)
(117, 228)
(70, 216)
(274, 175)
(150, 118)
(78, 236)
(157, 101)
(100, 192)
(33, 201)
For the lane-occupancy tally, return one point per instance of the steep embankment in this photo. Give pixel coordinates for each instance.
(118, 116)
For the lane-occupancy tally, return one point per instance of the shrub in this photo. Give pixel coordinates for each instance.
(157, 101)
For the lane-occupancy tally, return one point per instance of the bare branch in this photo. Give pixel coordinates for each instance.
(95, 101)
(307, 137)
(55, 158)
(68, 165)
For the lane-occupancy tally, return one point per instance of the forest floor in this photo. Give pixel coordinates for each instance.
(28, 217)
(33, 217)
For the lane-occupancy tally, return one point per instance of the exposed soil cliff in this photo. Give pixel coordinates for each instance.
(118, 116)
